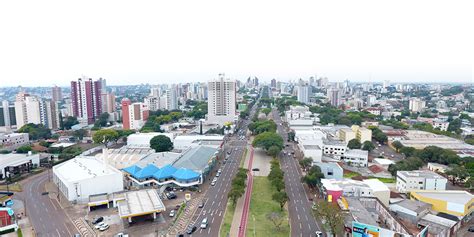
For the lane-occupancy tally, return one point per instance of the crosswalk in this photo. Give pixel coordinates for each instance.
(184, 220)
(84, 229)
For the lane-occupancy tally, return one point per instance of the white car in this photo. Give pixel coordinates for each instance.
(319, 234)
(100, 224)
(213, 183)
(104, 227)
(172, 212)
(218, 174)
(204, 223)
(219, 171)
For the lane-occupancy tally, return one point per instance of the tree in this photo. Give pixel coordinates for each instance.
(268, 139)
(273, 151)
(354, 144)
(313, 177)
(23, 149)
(276, 218)
(104, 136)
(80, 133)
(69, 122)
(103, 119)
(455, 126)
(332, 215)
(161, 143)
(408, 151)
(306, 162)
(36, 131)
(291, 136)
(457, 173)
(266, 111)
(281, 197)
(368, 146)
(397, 145)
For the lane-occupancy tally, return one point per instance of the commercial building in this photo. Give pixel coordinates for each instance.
(420, 180)
(356, 157)
(13, 140)
(438, 168)
(86, 99)
(84, 176)
(221, 100)
(142, 140)
(421, 139)
(331, 170)
(188, 169)
(134, 115)
(7, 220)
(140, 203)
(16, 164)
(457, 203)
(416, 104)
(335, 189)
(297, 113)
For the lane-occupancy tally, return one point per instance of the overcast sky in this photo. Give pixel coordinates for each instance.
(43, 43)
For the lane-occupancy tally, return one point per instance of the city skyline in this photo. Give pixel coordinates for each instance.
(276, 40)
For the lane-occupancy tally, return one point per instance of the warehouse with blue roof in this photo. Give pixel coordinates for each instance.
(188, 169)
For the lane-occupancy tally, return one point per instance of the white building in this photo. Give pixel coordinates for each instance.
(297, 112)
(221, 101)
(356, 157)
(420, 180)
(371, 100)
(170, 99)
(303, 93)
(13, 140)
(84, 176)
(440, 124)
(12, 164)
(335, 96)
(416, 105)
(334, 148)
(355, 188)
(142, 140)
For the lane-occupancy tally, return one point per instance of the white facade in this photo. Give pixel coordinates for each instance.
(297, 112)
(334, 149)
(420, 180)
(303, 93)
(335, 96)
(13, 140)
(221, 101)
(142, 140)
(83, 176)
(441, 125)
(416, 105)
(356, 157)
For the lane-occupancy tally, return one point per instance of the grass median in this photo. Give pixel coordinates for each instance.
(261, 205)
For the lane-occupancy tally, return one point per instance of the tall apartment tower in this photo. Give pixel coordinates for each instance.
(334, 95)
(7, 115)
(303, 93)
(86, 99)
(170, 98)
(56, 93)
(134, 115)
(221, 100)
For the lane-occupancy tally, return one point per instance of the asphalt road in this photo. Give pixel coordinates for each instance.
(301, 219)
(44, 213)
(216, 197)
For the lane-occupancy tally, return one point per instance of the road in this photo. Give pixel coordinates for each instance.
(301, 219)
(45, 214)
(216, 197)
(248, 196)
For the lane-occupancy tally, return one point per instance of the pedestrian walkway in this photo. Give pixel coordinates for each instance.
(184, 220)
(239, 206)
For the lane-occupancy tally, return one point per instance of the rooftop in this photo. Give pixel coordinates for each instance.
(421, 173)
(356, 152)
(413, 205)
(14, 159)
(459, 197)
(83, 167)
(196, 158)
(383, 161)
(139, 203)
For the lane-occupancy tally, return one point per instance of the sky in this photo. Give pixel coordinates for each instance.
(45, 43)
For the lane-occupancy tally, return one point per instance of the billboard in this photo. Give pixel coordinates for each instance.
(364, 230)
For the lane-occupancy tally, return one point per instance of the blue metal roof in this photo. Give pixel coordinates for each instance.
(185, 174)
(146, 172)
(165, 172)
(133, 170)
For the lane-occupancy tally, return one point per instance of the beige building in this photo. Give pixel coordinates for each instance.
(355, 132)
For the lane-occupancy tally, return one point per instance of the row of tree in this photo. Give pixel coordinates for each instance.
(276, 178)
(238, 185)
(258, 127)
(355, 144)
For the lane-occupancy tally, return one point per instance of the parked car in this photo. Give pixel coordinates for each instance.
(319, 234)
(201, 205)
(100, 224)
(218, 174)
(213, 183)
(104, 227)
(172, 213)
(97, 220)
(471, 229)
(191, 228)
(121, 235)
(255, 169)
(219, 171)
(171, 195)
(204, 223)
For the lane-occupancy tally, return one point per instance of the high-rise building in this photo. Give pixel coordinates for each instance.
(49, 114)
(170, 98)
(334, 95)
(27, 109)
(86, 99)
(134, 115)
(274, 83)
(103, 85)
(7, 115)
(221, 100)
(108, 103)
(303, 93)
(152, 102)
(56, 93)
(416, 105)
(371, 100)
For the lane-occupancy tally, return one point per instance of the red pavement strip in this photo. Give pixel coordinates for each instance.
(245, 212)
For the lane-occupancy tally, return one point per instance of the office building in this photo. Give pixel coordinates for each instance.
(221, 100)
(86, 99)
(134, 115)
(355, 132)
(356, 157)
(7, 115)
(420, 180)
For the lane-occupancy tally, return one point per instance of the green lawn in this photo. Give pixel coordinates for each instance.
(229, 215)
(350, 174)
(260, 205)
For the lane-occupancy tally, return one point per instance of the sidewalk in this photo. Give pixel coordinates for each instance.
(234, 228)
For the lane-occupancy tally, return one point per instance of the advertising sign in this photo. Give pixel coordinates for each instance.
(364, 230)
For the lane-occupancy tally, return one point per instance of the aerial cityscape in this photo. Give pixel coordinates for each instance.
(132, 120)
